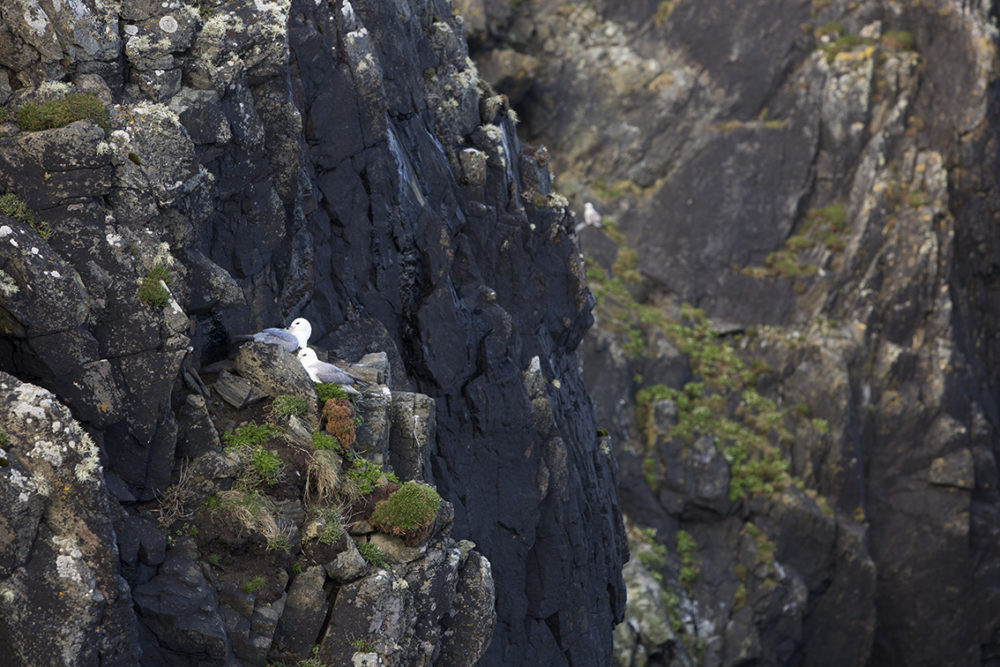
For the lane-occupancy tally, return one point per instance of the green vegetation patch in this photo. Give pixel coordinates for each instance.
(253, 585)
(686, 547)
(368, 475)
(372, 554)
(411, 507)
(821, 227)
(745, 432)
(841, 44)
(324, 441)
(331, 530)
(62, 112)
(266, 465)
(722, 401)
(250, 434)
(13, 207)
(328, 390)
(151, 292)
(287, 405)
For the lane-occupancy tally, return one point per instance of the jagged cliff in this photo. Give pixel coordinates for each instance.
(175, 173)
(808, 449)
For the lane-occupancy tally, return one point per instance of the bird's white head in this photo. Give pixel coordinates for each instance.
(301, 329)
(307, 354)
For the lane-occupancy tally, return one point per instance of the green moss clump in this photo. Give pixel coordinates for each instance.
(62, 112)
(654, 555)
(651, 473)
(328, 390)
(325, 441)
(331, 531)
(249, 434)
(253, 585)
(372, 554)
(151, 292)
(12, 207)
(368, 476)
(686, 547)
(840, 45)
(411, 507)
(287, 405)
(266, 464)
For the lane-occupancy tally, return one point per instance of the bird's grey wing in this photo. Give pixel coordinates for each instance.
(282, 337)
(330, 373)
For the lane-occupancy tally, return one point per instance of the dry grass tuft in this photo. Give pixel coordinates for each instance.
(322, 478)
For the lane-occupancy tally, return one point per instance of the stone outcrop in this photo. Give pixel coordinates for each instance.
(818, 178)
(258, 162)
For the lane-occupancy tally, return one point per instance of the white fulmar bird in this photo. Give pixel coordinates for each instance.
(290, 339)
(591, 218)
(320, 371)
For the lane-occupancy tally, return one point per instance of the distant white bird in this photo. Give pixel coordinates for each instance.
(591, 218)
(320, 371)
(290, 339)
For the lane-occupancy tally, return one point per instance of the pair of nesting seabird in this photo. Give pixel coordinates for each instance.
(296, 337)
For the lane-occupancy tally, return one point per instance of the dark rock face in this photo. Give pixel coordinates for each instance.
(282, 159)
(827, 170)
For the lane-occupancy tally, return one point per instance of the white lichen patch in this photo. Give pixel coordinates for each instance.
(31, 403)
(168, 24)
(54, 89)
(36, 18)
(5, 230)
(20, 482)
(48, 451)
(68, 562)
(8, 287)
(89, 465)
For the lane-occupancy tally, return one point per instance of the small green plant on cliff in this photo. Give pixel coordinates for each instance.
(323, 441)
(265, 465)
(249, 434)
(151, 291)
(686, 546)
(287, 405)
(331, 530)
(62, 112)
(372, 554)
(253, 585)
(363, 645)
(651, 472)
(368, 476)
(411, 507)
(651, 553)
(841, 44)
(328, 390)
(12, 207)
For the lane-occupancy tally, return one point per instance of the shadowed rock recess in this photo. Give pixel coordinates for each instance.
(176, 173)
(808, 448)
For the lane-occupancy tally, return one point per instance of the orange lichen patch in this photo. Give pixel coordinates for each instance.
(339, 416)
